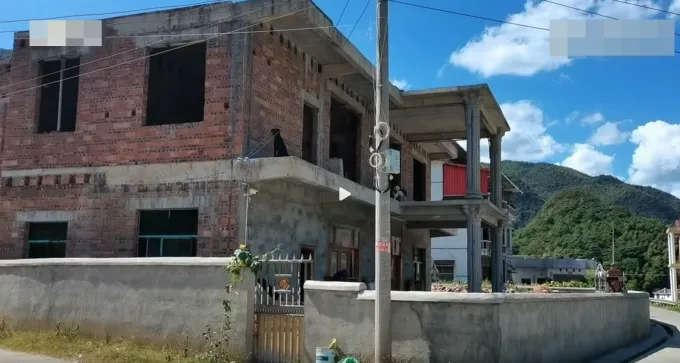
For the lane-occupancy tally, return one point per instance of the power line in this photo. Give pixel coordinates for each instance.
(182, 14)
(187, 9)
(468, 15)
(646, 7)
(480, 17)
(357, 22)
(209, 34)
(111, 13)
(589, 11)
(154, 54)
(130, 50)
(343, 11)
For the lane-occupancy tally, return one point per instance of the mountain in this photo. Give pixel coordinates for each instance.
(540, 181)
(576, 223)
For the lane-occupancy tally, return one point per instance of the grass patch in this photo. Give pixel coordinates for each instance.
(671, 307)
(69, 344)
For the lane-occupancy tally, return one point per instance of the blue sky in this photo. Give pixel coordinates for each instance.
(605, 115)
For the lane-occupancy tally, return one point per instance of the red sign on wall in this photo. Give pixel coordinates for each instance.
(383, 246)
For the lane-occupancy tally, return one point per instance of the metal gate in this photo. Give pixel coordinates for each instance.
(279, 312)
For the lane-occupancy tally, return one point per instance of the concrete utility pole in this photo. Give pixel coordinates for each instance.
(383, 233)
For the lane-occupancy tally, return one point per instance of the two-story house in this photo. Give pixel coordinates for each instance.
(450, 253)
(167, 141)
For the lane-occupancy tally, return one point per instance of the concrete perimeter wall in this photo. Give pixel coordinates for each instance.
(485, 328)
(164, 300)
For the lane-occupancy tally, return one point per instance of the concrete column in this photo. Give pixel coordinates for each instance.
(497, 283)
(474, 248)
(672, 272)
(510, 240)
(472, 128)
(245, 298)
(496, 178)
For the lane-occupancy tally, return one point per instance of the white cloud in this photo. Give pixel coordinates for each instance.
(593, 118)
(402, 84)
(586, 159)
(656, 159)
(515, 50)
(588, 119)
(609, 134)
(674, 7)
(528, 139)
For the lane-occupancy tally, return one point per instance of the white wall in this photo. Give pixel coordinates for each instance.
(437, 180)
(534, 274)
(663, 297)
(448, 248)
(529, 273)
(452, 248)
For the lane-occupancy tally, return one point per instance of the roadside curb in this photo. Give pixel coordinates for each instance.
(658, 335)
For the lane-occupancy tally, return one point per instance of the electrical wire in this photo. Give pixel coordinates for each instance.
(357, 22)
(209, 34)
(588, 11)
(123, 63)
(113, 12)
(183, 14)
(646, 7)
(136, 48)
(343, 12)
(476, 16)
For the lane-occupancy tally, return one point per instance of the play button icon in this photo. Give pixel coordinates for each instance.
(344, 194)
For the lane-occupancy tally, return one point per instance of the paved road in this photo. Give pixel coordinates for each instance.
(670, 351)
(12, 357)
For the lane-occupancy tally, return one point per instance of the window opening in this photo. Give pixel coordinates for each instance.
(58, 105)
(47, 240)
(168, 233)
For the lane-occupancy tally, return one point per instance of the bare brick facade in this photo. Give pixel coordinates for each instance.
(247, 93)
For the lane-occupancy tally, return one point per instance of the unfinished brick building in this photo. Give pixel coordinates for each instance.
(146, 145)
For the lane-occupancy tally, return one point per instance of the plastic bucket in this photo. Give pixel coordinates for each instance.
(325, 355)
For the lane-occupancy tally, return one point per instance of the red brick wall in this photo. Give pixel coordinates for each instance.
(105, 227)
(120, 91)
(280, 72)
(4, 82)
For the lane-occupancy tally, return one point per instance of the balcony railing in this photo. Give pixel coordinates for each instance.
(486, 248)
(508, 207)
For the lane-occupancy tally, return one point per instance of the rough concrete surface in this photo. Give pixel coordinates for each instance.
(670, 351)
(14, 357)
(523, 328)
(163, 300)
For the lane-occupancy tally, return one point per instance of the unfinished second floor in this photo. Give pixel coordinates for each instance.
(218, 82)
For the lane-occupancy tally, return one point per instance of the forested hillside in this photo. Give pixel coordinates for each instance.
(540, 181)
(576, 224)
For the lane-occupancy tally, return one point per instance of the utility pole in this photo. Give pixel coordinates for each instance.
(383, 233)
